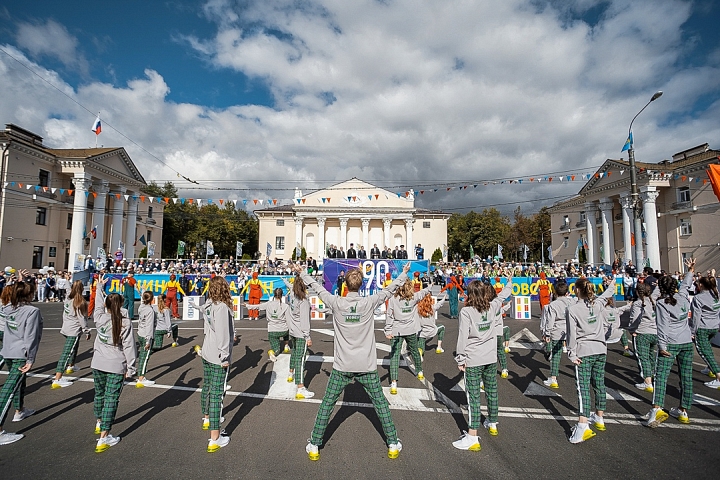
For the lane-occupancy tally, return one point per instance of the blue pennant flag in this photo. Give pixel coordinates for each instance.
(628, 143)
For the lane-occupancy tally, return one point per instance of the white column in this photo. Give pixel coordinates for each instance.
(82, 184)
(627, 212)
(606, 221)
(652, 237)
(98, 216)
(131, 227)
(298, 233)
(117, 221)
(386, 231)
(366, 233)
(321, 238)
(592, 242)
(343, 234)
(410, 247)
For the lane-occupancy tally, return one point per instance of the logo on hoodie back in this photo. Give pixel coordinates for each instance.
(352, 316)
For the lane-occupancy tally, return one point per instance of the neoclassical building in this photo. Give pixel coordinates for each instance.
(679, 214)
(351, 212)
(52, 200)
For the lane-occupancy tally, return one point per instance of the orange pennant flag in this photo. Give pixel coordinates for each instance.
(573, 177)
(117, 195)
(142, 198)
(377, 196)
(303, 200)
(94, 194)
(20, 185)
(255, 201)
(70, 192)
(683, 178)
(221, 201)
(274, 201)
(167, 199)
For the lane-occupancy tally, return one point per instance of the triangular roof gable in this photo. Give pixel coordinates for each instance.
(355, 193)
(119, 161)
(609, 172)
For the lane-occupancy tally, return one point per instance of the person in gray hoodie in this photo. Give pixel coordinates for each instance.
(298, 320)
(147, 321)
(674, 341)
(644, 332)
(588, 351)
(113, 360)
(402, 324)
(74, 324)
(427, 310)
(355, 354)
(553, 325)
(704, 323)
(21, 339)
(276, 315)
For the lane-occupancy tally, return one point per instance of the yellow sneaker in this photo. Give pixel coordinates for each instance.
(174, 344)
(393, 388)
(291, 378)
(491, 427)
(312, 451)
(271, 355)
(97, 428)
(421, 376)
(197, 349)
(206, 424)
(439, 350)
(394, 449)
(504, 373)
(286, 349)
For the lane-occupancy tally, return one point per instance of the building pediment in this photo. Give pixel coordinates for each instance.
(355, 194)
(112, 162)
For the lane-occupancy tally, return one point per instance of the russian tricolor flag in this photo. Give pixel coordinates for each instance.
(97, 126)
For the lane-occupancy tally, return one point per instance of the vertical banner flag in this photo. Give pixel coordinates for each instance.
(628, 143)
(121, 247)
(142, 239)
(181, 248)
(269, 250)
(500, 256)
(101, 253)
(526, 249)
(97, 126)
(238, 249)
(150, 249)
(210, 249)
(550, 255)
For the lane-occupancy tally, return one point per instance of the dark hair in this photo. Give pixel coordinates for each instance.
(278, 293)
(79, 303)
(561, 288)
(23, 293)
(668, 286)
(585, 290)
(709, 284)
(644, 291)
(147, 297)
(113, 303)
(476, 297)
(299, 288)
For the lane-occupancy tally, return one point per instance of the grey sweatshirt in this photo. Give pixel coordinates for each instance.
(146, 322)
(164, 320)
(585, 326)
(219, 332)
(477, 334)
(672, 321)
(611, 318)
(276, 313)
(109, 358)
(642, 317)
(22, 333)
(298, 319)
(353, 319)
(74, 323)
(705, 312)
(402, 318)
(428, 327)
(553, 321)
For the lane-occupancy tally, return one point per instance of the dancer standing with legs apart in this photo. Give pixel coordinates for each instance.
(113, 361)
(21, 339)
(299, 326)
(426, 310)
(644, 332)
(216, 355)
(164, 327)
(146, 332)
(172, 288)
(588, 351)
(355, 354)
(553, 325)
(455, 290)
(674, 341)
(74, 324)
(704, 322)
(276, 313)
(402, 325)
(477, 357)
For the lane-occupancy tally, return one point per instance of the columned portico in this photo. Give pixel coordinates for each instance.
(386, 232)
(649, 195)
(82, 182)
(98, 216)
(365, 233)
(606, 221)
(627, 213)
(298, 232)
(321, 238)
(409, 237)
(117, 221)
(592, 242)
(343, 233)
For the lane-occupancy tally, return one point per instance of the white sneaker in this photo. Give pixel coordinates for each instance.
(144, 383)
(105, 443)
(656, 417)
(227, 387)
(682, 416)
(393, 387)
(714, 384)
(206, 423)
(597, 421)
(303, 393)
(71, 369)
(504, 373)
(646, 387)
(468, 442)
(564, 349)
(23, 414)
(215, 445)
(491, 427)
(312, 451)
(62, 383)
(706, 371)
(580, 433)
(8, 438)
(439, 350)
(394, 449)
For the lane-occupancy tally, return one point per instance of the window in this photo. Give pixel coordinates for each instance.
(565, 241)
(149, 236)
(279, 243)
(426, 224)
(52, 252)
(582, 216)
(683, 194)
(40, 216)
(69, 222)
(37, 257)
(279, 223)
(566, 220)
(685, 227)
(150, 212)
(44, 178)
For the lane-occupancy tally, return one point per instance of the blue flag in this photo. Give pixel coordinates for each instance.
(628, 143)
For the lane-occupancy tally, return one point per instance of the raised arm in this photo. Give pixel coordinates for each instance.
(326, 297)
(439, 303)
(388, 292)
(100, 297)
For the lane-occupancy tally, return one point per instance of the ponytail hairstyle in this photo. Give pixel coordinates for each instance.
(278, 293)
(147, 297)
(476, 297)
(219, 291)
(644, 291)
(113, 303)
(610, 301)
(708, 284)
(489, 292)
(668, 286)
(161, 302)
(22, 294)
(425, 306)
(76, 295)
(406, 291)
(299, 288)
(585, 290)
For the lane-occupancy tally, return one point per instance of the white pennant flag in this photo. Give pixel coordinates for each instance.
(621, 172)
(561, 178)
(152, 199)
(690, 179)
(29, 186)
(260, 202)
(235, 202)
(127, 197)
(6, 184)
(53, 189)
(175, 200)
(199, 201)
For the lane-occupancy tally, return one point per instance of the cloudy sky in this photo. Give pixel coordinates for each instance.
(262, 96)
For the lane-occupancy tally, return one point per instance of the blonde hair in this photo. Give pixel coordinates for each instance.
(406, 291)
(161, 303)
(354, 279)
(219, 291)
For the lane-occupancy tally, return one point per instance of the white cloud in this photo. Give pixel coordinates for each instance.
(407, 92)
(53, 40)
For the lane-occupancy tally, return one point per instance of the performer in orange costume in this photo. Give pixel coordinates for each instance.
(455, 289)
(417, 283)
(544, 290)
(255, 290)
(172, 287)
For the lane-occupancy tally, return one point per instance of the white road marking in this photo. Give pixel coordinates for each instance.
(533, 343)
(703, 400)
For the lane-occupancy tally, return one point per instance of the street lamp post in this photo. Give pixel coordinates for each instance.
(634, 194)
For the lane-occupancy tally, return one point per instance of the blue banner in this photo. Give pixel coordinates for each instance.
(374, 271)
(528, 286)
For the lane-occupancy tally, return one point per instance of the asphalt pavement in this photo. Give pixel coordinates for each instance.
(161, 433)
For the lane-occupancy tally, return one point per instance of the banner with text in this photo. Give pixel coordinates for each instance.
(374, 271)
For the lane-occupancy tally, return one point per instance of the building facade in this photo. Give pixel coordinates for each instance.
(58, 206)
(680, 214)
(352, 212)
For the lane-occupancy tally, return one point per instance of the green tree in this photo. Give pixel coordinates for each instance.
(484, 231)
(436, 256)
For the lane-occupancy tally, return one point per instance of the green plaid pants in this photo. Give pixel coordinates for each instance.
(506, 333)
(213, 392)
(440, 335)
(297, 359)
(645, 346)
(143, 355)
(684, 354)
(703, 336)
(108, 387)
(160, 335)
(591, 371)
(13, 390)
(502, 357)
(336, 384)
(555, 349)
(473, 376)
(624, 340)
(396, 347)
(2, 360)
(67, 357)
(274, 339)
